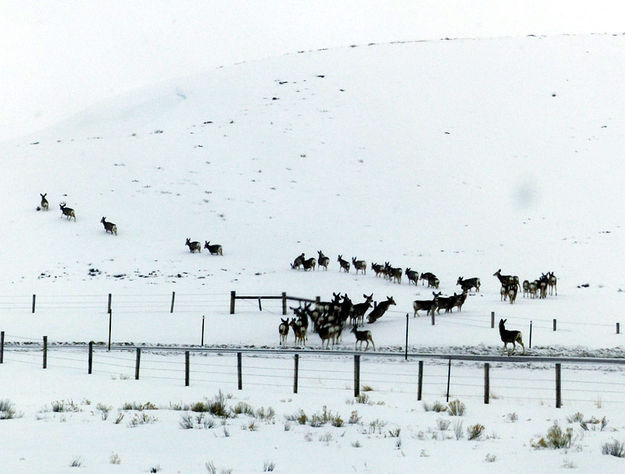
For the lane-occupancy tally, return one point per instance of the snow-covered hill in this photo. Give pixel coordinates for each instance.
(454, 157)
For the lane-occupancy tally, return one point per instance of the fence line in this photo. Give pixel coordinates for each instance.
(266, 368)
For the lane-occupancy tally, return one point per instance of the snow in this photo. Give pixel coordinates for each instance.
(455, 157)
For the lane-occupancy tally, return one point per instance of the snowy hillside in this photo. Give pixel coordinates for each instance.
(454, 157)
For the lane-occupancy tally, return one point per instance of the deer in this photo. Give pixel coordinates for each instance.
(213, 249)
(553, 283)
(328, 333)
(323, 261)
(309, 264)
(380, 309)
(283, 330)
(394, 273)
(510, 336)
(446, 302)
(511, 291)
(44, 202)
(460, 299)
(526, 288)
(506, 281)
(299, 331)
(427, 305)
(378, 269)
(109, 226)
(67, 211)
(194, 246)
(362, 336)
(359, 310)
(343, 263)
(426, 276)
(469, 283)
(298, 262)
(359, 265)
(412, 275)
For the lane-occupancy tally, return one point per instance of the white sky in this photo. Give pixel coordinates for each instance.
(58, 57)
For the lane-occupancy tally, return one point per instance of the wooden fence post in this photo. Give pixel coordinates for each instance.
(186, 368)
(492, 319)
(295, 372)
(406, 352)
(2, 347)
(137, 363)
(90, 358)
(110, 328)
(433, 320)
(558, 386)
(260, 306)
(284, 303)
(202, 331)
(45, 352)
(356, 375)
(618, 328)
(240, 370)
(233, 296)
(173, 299)
(448, 378)
(554, 324)
(34, 299)
(530, 334)
(486, 383)
(420, 381)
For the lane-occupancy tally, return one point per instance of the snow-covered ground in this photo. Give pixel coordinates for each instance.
(454, 157)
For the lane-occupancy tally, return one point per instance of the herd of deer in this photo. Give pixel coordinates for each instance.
(387, 271)
(70, 214)
(331, 317)
(510, 285)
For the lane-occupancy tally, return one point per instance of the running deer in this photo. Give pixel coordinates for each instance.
(343, 263)
(362, 336)
(298, 262)
(323, 261)
(427, 305)
(380, 309)
(412, 275)
(67, 211)
(510, 336)
(109, 226)
(283, 330)
(194, 246)
(213, 249)
(360, 265)
(44, 202)
(469, 283)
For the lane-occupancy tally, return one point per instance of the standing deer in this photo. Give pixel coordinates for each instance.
(323, 261)
(309, 263)
(380, 309)
(343, 263)
(506, 282)
(44, 202)
(194, 246)
(109, 226)
(378, 269)
(299, 331)
(510, 336)
(427, 305)
(213, 249)
(67, 212)
(359, 310)
(283, 330)
(553, 283)
(362, 336)
(413, 275)
(360, 265)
